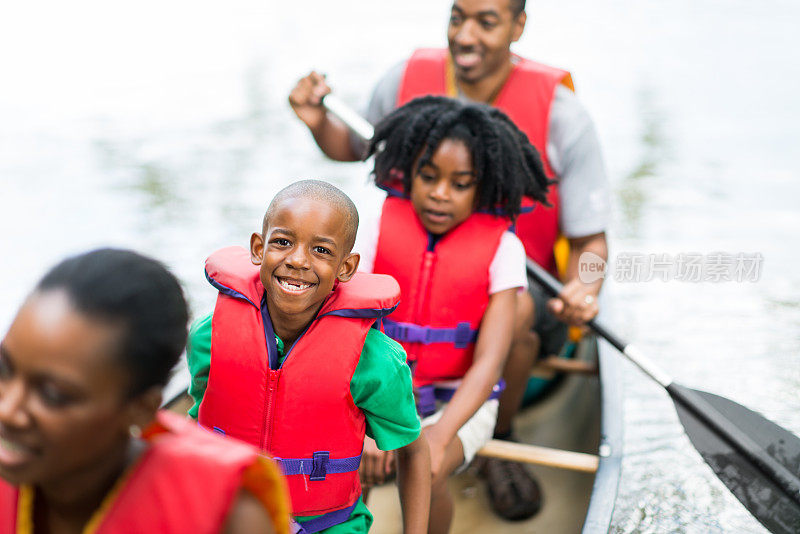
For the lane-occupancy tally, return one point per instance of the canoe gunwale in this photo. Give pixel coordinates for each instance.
(606, 482)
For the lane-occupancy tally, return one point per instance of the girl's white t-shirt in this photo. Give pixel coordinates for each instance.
(506, 271)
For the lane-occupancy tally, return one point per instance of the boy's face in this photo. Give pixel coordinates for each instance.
(303, 251)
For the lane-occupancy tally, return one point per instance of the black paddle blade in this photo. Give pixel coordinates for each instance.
(764, 474)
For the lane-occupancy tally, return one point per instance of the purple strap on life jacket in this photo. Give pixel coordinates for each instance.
(426, 400)
(319, 465)
(460, 336)
(428, 395)
(325, 521)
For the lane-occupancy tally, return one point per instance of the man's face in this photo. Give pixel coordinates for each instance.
(301, 254)
(479, 35)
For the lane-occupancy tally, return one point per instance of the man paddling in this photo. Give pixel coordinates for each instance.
(479, 66)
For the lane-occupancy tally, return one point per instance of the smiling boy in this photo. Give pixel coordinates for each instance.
(290, 360)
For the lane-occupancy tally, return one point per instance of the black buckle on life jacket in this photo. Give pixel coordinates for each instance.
(319, 469)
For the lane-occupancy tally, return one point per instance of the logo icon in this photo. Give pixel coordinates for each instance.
(591, 267)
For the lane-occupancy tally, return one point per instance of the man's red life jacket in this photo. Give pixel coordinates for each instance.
(444, 285)
(525, 97)
(301, 412)
(184, 483)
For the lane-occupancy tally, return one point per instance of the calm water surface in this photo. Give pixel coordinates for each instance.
(164, 127)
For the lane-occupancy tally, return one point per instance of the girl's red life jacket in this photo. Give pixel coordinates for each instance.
(525, 97)
(184, 483)
(444, 283)
(301, 412)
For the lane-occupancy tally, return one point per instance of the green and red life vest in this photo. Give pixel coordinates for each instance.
(300, 411)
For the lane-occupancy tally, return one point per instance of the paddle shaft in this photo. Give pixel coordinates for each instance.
(784, 478)
(554, 287)
(350, 118)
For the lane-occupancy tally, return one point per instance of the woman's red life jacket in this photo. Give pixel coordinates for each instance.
(301, 412)
(525, 97)
(444, 285)
(184, 483)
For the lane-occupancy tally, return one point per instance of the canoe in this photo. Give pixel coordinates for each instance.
(580, 412)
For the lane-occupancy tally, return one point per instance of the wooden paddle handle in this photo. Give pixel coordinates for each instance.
(532, 454)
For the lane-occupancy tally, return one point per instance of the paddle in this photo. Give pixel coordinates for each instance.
(756, 459)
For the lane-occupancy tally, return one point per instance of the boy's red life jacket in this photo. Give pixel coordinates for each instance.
(301, 412)
(184, 483)
(444, 283)
(525, 97)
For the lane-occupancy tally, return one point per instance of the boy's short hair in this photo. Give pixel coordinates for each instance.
(325, 192)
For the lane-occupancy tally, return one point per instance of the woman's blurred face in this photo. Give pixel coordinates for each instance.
(62, 393)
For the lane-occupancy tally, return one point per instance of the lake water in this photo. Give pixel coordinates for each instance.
(164, 127)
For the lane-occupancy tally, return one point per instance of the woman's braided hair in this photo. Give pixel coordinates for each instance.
(508, 167)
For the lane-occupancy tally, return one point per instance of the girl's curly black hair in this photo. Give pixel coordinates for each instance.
(508, 167)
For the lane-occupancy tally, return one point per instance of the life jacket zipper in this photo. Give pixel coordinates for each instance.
(421, 312)
(266, 432)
